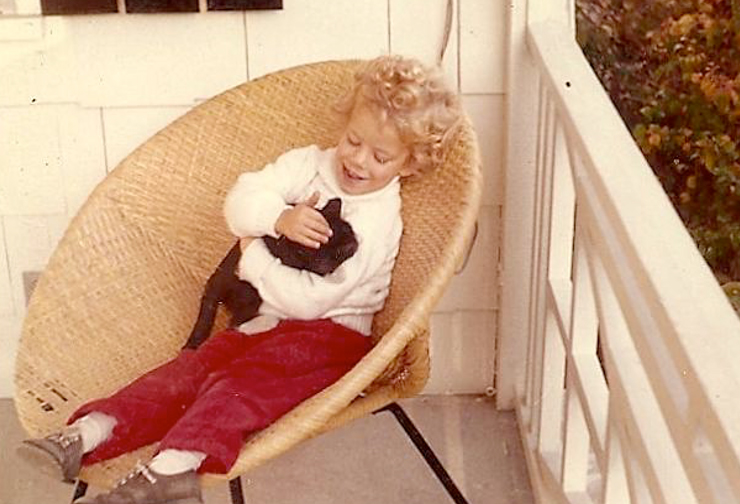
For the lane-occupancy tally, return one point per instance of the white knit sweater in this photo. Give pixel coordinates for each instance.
(358, 288)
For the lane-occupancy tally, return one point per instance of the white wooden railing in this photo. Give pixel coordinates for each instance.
(630, 392)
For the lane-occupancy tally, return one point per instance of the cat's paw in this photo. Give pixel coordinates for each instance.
(258, 324)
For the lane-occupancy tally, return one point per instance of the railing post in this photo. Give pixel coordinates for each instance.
(519, 199)
(519, 195)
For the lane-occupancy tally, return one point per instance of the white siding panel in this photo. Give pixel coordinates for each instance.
(10, 332)
(424, 40)
(305, 32)
(482, 42)
(28, 7)
(30, 161)
(29, 248)
(158, 59)
(83, 154)
(474, 288)
(127, 128)
(20, 29)
(7, 307)
(487, 114)
(22, 73)
(41, 70)
(462, 350)
(56, 225)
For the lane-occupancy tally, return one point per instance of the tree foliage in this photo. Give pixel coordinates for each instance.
(672, 68)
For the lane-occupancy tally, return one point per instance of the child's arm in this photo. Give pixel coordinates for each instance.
(258, 198)
(304, 295)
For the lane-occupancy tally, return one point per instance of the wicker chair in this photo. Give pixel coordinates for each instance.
(121, 291)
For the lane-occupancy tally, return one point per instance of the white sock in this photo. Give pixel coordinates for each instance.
(173, 461)
(94, 428)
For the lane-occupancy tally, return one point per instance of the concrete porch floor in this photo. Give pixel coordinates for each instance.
(369, 461)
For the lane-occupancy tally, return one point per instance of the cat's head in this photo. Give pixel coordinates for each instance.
(341, 246)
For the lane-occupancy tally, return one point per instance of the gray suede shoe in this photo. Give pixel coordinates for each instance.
(144, 486)
(58, 452)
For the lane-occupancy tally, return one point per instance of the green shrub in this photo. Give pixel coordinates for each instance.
(672, 67)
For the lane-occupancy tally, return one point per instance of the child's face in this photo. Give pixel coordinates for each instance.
(370, 153)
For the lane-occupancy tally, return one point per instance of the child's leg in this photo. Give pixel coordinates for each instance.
(288, 365)
(95, 428)
(148, 407)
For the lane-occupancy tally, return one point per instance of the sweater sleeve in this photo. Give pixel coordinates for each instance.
(257, 199)
(305, 295)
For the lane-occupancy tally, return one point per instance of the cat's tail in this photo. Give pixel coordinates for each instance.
(202, 328)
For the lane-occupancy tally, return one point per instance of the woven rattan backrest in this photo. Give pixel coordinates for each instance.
(121, 291)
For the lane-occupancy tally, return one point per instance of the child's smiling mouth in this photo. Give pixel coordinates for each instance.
(350, 174)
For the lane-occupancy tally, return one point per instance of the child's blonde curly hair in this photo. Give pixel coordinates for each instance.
(417, 101)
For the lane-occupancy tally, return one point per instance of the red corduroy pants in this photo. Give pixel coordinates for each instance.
(210, 399)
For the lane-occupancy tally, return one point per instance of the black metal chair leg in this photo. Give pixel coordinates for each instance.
(426, 451)
(235, 487)
(80, 490)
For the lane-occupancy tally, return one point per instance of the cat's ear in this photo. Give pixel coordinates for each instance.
(333, 209)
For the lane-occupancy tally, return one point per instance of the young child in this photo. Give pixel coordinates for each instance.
(202, 405)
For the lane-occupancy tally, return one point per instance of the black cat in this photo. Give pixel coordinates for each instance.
(242, 299)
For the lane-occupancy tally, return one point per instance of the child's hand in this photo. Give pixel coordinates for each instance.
(304, 224)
